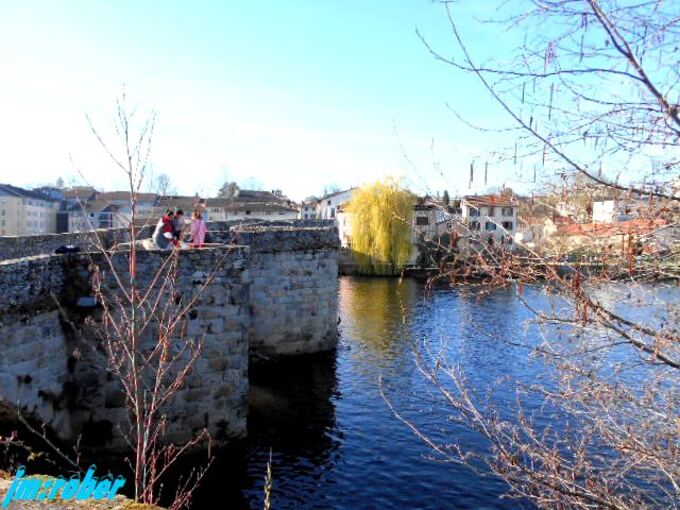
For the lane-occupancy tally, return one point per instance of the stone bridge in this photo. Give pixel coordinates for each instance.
(274, 294)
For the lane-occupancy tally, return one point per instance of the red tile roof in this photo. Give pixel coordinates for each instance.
(635, 227)
(490, 200)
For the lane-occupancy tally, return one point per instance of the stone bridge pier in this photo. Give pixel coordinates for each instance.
(274, 294)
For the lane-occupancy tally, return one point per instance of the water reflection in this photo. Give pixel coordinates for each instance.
(371, 318)
(291, 412)
(335, 443)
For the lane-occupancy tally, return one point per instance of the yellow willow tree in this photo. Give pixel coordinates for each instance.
(381, 227)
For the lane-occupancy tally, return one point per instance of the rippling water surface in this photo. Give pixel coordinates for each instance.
(334, 441)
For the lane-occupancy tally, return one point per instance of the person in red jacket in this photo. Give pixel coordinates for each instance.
(163, 235)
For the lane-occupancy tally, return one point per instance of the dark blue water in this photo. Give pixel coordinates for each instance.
(334, 441)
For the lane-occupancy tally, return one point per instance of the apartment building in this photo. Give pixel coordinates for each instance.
(24, 212)
(490, 218)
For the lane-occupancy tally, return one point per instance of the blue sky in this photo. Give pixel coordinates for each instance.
(297, 94)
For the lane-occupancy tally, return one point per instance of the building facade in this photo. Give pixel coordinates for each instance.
(331, 207)
(490, 218)
(616, 210)
(24, 212)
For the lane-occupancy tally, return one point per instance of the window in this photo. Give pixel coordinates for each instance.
(474, 211)
(507, 211)
(474, 225)
(247, 212)
(329, 202)
(422, 220)
(507, 225)
(332, 212)
(489, 225)
(491, 211)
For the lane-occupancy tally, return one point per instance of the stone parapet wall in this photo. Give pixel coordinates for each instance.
(15, 247)
(270, 239)
(29, 285)
(227, 232)
(294, 294)
(34, 358)
(293, 302)
(214, 396)
(59, 374)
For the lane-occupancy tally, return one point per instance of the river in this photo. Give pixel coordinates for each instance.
(336, 444)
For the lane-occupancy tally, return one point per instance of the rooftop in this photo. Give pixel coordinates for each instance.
(125, 196)
(490, 200)
(82, 192)
(14, 191)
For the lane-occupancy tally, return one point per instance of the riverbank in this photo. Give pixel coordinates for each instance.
(117, 503)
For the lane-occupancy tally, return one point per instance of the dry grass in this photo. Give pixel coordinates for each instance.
(117, 503)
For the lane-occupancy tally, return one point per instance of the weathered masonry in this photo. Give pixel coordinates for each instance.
(274, 293)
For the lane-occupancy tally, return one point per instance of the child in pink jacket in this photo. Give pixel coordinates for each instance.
(198, 229)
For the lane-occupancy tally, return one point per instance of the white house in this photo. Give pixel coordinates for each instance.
(490, 218)
(343, 220)
(328, 205)
(615, 210)
(309, 209)
(331, 207)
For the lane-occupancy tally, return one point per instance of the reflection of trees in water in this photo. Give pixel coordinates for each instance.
(289, 396)
(373, 311)
(291, 411)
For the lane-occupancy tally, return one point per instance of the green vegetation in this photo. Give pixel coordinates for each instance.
(381, 227)
(435, 252)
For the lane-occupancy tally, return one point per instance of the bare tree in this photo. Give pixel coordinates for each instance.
(163, 186)
(142, 326)
(590, 91)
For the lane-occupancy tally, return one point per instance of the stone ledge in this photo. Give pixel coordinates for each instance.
(268, 239)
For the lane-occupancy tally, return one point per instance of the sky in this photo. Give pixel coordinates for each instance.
(296, 95)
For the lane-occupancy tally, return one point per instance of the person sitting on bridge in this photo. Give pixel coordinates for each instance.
(163, 234)
(177, 226)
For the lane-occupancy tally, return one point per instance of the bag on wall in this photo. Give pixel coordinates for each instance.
(67, 248)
